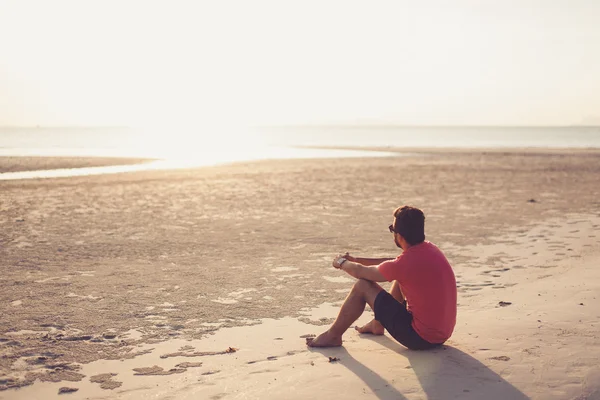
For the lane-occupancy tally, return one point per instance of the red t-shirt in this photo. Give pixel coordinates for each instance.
(428, 283)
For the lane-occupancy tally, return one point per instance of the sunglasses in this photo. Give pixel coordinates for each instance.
(391, 228)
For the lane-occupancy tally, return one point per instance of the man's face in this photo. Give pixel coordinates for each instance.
(396, 235)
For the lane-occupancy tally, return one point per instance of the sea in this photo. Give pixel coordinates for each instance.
(184, 147)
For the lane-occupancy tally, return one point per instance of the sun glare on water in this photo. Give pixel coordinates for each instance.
(198, 145)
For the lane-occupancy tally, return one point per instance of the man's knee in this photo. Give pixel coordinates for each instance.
(361, 285)
(364, 286)
(367, 290)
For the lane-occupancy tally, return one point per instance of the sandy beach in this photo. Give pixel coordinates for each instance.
(202, 283)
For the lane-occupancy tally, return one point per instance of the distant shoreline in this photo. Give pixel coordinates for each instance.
(325, 125)
(10, 164)
(28, 165)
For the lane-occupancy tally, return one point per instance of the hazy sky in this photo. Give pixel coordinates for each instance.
(508, 62)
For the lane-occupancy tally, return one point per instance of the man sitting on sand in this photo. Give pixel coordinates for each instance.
(420, 309)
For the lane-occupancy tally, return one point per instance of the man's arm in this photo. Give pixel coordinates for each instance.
(360, 271)
(366, 261)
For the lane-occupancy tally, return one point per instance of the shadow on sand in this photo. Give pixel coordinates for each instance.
(444, 373)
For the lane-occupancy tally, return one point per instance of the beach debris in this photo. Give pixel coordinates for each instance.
(500, 358)
(63, 366)
(319, 322)
(109, 336)
(504, 303)
(189, 353)
(188, 365)
(333, 359)
(532, 201)
(37, 360)
(15, 383)
(58, 374)
(193, 354)
(308, 336)
(64, 390)
(73, 338)
(105, 380)
(278, 338)
(580, 304)
(102, 377)
(156, 370)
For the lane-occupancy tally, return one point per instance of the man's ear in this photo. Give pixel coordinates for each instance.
(401, 239)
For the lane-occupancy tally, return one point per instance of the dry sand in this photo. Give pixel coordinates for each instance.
(104, 275)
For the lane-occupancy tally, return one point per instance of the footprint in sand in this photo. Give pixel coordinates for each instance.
(284, 269)
(211, 372)
(500, 358)
(263, 371)
(65, 389)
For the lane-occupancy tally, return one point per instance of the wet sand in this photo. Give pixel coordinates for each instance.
(19, 164)
(109, 267)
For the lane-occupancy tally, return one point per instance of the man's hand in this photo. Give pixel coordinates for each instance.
(336, 261)
(357, 270)
(348, 257)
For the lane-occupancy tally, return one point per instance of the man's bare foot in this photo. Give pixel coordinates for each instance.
(325, 339)
(373, 327)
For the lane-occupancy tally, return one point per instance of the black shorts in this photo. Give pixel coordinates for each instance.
(396, 319)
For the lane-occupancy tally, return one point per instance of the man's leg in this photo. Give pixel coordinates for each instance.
(363, 292)
(396, 292)
(375, 326)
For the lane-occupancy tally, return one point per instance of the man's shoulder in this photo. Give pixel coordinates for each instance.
(431, 247)
(423, 247)
(428, 250)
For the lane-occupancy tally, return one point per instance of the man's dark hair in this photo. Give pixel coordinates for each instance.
(410, 223)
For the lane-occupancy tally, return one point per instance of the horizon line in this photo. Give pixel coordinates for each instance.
(320, 125)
